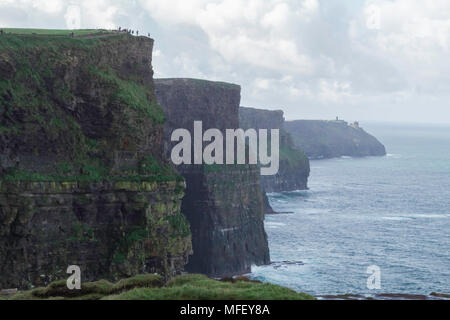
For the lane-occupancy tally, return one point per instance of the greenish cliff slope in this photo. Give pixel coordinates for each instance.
(83, 177)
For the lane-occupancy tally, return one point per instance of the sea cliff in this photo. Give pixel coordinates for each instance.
(330, 139)
(83, 176)
(223, 203)
(294, 165)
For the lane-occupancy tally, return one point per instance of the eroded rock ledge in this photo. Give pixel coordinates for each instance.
(110, 230)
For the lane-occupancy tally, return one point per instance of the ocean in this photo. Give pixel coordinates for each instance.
(392, 212)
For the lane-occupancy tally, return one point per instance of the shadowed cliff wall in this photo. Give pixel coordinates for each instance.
(294, 165)
(223, 203)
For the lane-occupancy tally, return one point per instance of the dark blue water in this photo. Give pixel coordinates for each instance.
(393, 212)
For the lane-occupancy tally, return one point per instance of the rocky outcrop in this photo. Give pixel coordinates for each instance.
(223, 203)
(294, 165)
(110, 230)
(83, 176)
(267, 206)
(329, 139)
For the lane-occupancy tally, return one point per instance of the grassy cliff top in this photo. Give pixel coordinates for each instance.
(54, 32)
(152, 287)
(20, 39)
(198, 82)
(73, 109)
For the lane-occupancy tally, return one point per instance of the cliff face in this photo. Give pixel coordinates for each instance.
(329, 139)
(223, 203)
(110, 230)
(68, 99)
(83, 177)
(294, 165)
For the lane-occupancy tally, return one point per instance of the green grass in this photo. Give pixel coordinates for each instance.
(33, 95)
(139, 281)
(92, 173)
(59, 289)
(55, 43)
(152, 287)
(199, 287)
(179, 226)
(53, 32)
(131, 93)
(295, 157)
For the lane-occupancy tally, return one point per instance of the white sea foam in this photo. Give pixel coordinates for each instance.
(416, 216)
(275, 224)
(396, 218)
(429, 216)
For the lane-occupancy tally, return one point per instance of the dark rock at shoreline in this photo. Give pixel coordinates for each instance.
(267, 207)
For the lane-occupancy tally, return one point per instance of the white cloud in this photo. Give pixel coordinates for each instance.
(318, 54)
(100, 13)
(45, 6)
(367, 58)
(243, 32)
(413, 36)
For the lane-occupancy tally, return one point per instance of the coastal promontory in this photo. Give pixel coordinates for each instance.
(322, 139)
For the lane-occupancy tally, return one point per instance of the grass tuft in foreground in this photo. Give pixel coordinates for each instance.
(152, 287)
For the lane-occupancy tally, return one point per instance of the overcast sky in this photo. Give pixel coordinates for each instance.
(315, 59)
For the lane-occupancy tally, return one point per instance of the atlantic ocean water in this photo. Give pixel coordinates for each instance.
(392, 212)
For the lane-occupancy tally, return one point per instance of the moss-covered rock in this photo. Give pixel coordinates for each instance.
(108, 232)
(152, 287)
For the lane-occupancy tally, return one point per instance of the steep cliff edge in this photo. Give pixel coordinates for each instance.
(329, 139)
(223, 203)
(294, 165)
(83, 176)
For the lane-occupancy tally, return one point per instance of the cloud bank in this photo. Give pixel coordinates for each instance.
(365, 60)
